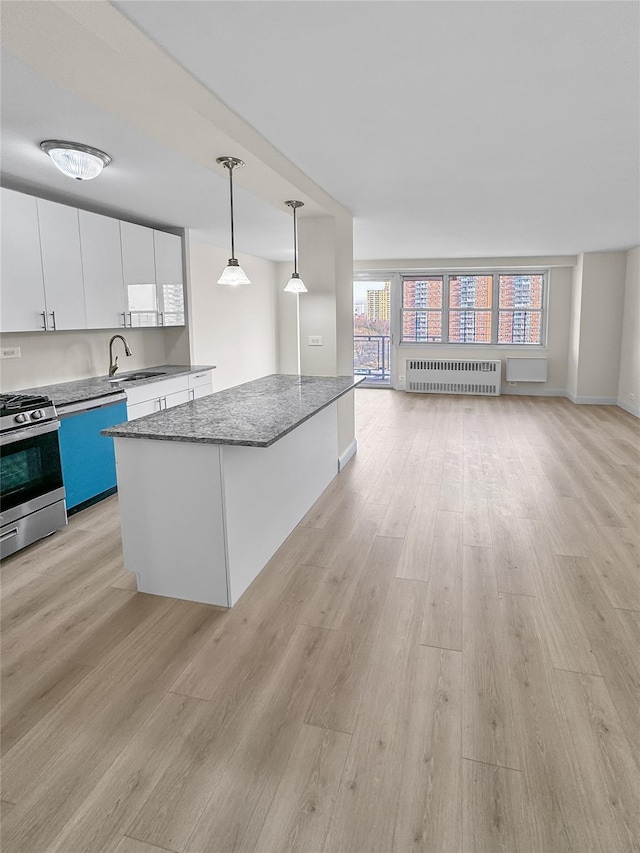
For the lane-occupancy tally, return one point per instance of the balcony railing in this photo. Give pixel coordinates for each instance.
(371, 357)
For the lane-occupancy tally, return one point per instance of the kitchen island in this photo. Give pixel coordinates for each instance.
(209, 490)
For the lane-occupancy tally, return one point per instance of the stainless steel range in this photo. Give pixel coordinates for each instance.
(32, 495)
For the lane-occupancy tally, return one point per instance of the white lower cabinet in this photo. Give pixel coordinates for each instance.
(167, 393)
(200, 384)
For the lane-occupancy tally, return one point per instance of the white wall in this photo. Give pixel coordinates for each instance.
(598, 304)
(326, 310)
(317, 306)
(574, 329)
(629, 382)
(51, 357)
(234, 328)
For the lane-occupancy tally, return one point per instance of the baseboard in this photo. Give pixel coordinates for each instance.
(91, 501)
(628, 408)
(346, 456)
(592, 401)
(533, 392)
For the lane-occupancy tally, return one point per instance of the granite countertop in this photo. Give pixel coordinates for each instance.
(79, 390)
(255, 414)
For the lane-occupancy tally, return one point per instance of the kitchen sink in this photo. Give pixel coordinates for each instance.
(139, 374)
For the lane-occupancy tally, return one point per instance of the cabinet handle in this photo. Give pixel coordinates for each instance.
(160, 318)
(124, 319)
(192, 393)
(130, 320)
(53, 318)
(44, 321)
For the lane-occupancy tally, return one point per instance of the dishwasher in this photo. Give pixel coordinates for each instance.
(88, 459)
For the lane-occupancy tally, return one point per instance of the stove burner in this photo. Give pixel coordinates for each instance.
(13, 403)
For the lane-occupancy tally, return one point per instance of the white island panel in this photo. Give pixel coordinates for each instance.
(268, 490)
(173, 535)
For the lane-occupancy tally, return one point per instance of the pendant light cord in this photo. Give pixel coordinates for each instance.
(295, 243)
(230, 167)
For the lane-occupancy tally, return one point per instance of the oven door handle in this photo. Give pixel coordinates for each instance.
(9, 534)
(29, 432)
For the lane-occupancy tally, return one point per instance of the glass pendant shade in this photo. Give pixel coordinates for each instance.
(295, 284)
(233, 274)
(80, 162)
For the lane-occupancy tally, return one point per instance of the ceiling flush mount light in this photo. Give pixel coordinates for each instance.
(81, 162)
(295, 283)
(233, 273)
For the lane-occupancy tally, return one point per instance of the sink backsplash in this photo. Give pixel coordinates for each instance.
(50, 357)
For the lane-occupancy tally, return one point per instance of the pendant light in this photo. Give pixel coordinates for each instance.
(233, 273)
(81, 162)
(295, 283)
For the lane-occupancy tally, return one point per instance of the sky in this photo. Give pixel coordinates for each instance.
(360, 290)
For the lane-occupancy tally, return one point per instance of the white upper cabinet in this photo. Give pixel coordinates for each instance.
(23, 307)
(102, 269)
(64, 268)
(168, 252)
(139, 270)
(138, 258)
(62, 265)
(170, 290)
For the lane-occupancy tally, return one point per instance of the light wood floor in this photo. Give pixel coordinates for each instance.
(444, 656)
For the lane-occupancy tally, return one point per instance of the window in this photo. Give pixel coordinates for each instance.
(470, 309)
(473, 308)
(520, 314)
(422, 310)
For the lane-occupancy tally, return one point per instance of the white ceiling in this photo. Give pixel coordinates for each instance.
(449, 129)
(146, 182)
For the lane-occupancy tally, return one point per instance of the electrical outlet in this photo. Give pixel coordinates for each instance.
(632, 396)
(10, 352)
(315, 340)
(513, 383)
(402, 378)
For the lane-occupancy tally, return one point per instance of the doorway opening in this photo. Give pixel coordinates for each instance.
(372, 332)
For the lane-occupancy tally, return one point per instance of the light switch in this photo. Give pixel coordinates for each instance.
(315, 340)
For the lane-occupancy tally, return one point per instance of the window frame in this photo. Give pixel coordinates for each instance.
(495, 306)
(415, 311)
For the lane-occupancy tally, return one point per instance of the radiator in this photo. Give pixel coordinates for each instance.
(453, 376)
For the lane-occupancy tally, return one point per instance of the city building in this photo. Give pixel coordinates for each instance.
(378, 303)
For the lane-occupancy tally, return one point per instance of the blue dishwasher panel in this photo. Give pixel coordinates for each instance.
(88, 460)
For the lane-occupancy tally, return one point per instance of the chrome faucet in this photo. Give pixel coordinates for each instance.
(113, 365)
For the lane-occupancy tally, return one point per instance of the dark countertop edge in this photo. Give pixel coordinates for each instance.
(114, 432)
(90, 399)
(117, 388)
